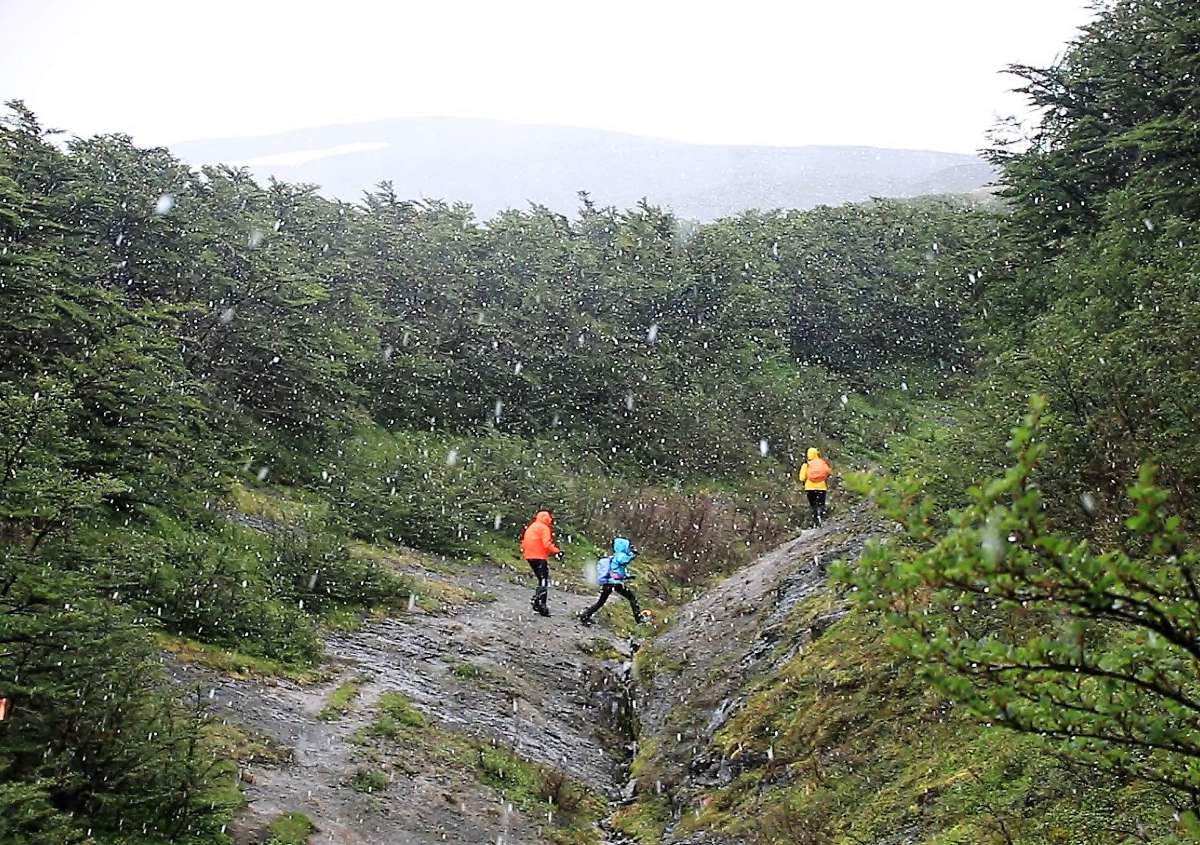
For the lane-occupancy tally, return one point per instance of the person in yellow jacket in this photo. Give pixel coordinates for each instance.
(815, 475)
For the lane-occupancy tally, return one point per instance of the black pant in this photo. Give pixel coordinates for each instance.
(816, 502)
(541, 571)
(620, 589)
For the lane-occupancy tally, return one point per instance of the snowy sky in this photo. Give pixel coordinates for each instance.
(900, 73)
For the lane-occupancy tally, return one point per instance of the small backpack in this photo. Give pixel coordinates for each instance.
(818, 470)
(604, 571)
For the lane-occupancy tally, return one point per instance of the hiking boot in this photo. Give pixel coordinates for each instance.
(585, 620)
(543, 610)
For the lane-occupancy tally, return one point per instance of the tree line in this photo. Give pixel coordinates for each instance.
(1048, 577)
(170, 335)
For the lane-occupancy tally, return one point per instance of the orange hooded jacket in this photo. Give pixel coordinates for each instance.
(538, 541)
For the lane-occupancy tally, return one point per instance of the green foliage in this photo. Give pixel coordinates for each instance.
(397, 717)
(1034, 630)
(290, 829)
(1096, 314)
(843, 742)
(311, 566)
(1118, 114)
(169, 338)
(442, 494)
(1055, 596)
(91, 737)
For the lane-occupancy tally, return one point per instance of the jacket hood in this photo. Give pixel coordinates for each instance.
(544, 517)
(621, 545)
(813, 453)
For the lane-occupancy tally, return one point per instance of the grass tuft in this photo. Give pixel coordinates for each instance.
(290, 829)
(341, 699)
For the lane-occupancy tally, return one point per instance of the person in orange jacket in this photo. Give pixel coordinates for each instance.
(537, 546)
(815, 475)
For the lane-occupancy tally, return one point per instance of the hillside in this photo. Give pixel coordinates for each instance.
(771, 712)
(266, 458)
(441, 724)
(495, 165)
(762, 710)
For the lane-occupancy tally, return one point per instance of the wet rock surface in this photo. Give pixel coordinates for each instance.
(494, 671)
(490, 670)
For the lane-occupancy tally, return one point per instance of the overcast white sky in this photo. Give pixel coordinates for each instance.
(900, 73)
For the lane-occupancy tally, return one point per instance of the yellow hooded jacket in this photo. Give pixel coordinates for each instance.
(813, 455)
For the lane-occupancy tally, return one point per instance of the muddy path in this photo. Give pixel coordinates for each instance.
(490, 670)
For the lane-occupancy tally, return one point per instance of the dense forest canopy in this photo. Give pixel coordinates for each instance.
(427, 377)
(170, 336)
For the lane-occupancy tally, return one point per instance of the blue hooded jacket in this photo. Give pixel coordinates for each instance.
(615, 568)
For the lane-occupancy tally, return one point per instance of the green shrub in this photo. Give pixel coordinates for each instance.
(1032, 629)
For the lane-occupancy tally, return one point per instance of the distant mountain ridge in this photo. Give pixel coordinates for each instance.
(495, 165)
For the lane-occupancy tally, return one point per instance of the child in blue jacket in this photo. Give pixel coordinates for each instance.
(612, 574)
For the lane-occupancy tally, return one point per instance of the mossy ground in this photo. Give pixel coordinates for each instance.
(234, 742)
(233, 663)
(290, 829)
(651, 662)
(845, 744)
(368, 780)
(600, 649)
(414, 570)
(567, 810)
(341, 699)
(279, 505)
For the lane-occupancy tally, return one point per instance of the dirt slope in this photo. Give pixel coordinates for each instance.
(489, 669)
(560, 695)
(694, 676)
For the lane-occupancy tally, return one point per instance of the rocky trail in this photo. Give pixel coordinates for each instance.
(491, 674)
(488, 670)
